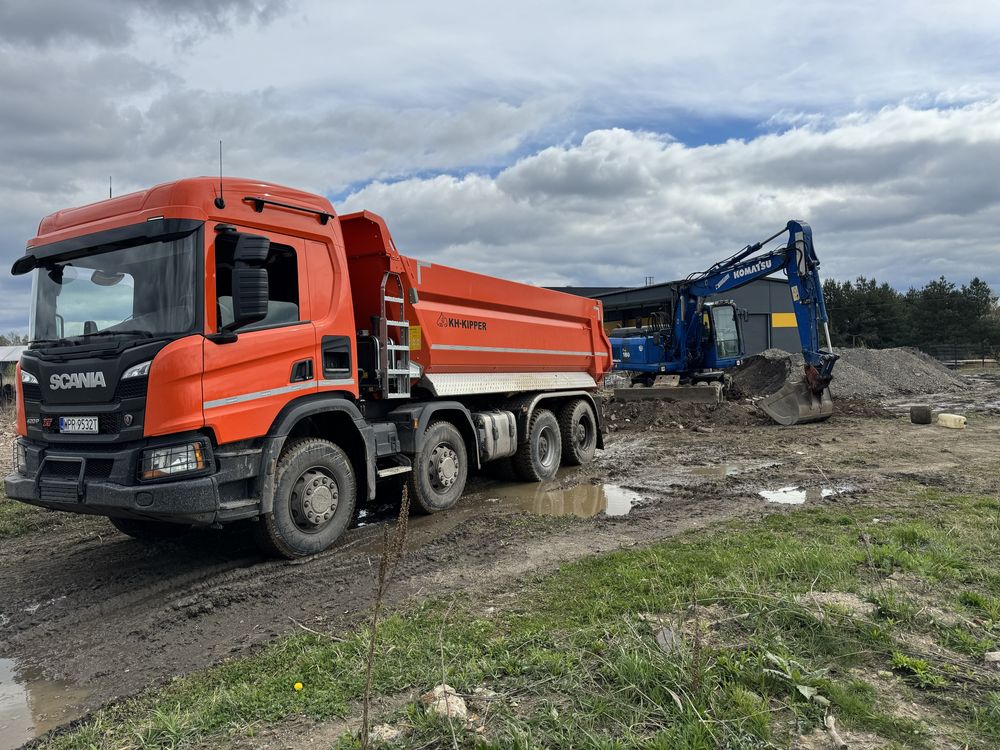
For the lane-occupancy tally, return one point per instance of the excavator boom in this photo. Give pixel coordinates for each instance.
(809, 399)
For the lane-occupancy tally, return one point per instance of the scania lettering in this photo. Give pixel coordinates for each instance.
(77, 380)
(200, 357)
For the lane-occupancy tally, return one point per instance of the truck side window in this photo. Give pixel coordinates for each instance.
(282, 283)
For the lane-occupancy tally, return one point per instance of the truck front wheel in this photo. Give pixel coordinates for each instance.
(578, 428)
(440, 469)
(538, 459)
(314, 496)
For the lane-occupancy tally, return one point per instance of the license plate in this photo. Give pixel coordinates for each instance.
(77, 424)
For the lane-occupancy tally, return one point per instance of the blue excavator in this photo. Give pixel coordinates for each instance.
(696, 340)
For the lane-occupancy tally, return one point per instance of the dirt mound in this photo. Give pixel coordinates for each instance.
(861, 373)
(638, 415)
(664, 415)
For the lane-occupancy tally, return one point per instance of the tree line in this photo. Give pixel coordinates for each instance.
(13, 338)
(936, 316)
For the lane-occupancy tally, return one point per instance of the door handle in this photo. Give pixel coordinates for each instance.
(301, 371)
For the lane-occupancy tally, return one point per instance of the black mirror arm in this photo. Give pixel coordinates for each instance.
(226, 336)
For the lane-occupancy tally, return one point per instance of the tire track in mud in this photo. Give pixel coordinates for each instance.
(82, 603)
(139, 613)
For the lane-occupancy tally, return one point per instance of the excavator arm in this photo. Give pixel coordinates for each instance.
(808, 400)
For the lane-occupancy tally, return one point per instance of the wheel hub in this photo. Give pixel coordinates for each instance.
(444, 467)
(315, 500)
(546, 453)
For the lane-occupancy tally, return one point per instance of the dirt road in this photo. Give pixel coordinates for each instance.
(111, 616)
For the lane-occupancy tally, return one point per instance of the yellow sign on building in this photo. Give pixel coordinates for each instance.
(783, 320)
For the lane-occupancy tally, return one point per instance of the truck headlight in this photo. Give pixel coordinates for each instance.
(20, 458)
(137, 371)
(171, 460)
(27, 377)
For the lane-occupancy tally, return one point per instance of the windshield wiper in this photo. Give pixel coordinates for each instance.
(109, 332)
(84, 338)
(51, 342)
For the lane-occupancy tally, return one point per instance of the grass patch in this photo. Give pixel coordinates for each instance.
(17, 519)
(751, 661)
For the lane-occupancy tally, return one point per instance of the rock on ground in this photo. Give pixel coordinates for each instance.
(384, 733)
(445, 701)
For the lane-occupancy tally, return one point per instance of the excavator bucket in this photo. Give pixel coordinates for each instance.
(795, 403)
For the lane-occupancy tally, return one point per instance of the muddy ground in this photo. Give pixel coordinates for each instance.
(92, 615)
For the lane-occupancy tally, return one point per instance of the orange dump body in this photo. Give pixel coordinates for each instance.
(472, 333)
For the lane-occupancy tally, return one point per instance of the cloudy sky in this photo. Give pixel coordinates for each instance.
(551, 142)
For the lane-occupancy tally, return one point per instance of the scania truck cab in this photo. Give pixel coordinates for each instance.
(202, 355)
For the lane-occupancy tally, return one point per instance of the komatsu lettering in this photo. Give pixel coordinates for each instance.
(758, 267)
(77, 380)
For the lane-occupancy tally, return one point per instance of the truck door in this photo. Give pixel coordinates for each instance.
(247, 382)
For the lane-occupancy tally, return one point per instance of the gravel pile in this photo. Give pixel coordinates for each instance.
(860, 373)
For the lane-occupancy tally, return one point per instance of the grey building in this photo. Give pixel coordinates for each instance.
(765, 309)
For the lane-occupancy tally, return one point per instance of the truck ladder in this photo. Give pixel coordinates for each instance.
(394, 339)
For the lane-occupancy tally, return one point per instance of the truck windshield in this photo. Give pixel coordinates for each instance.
(727, 336)
(145, 290)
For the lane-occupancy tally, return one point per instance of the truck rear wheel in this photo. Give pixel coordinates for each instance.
(538, 459)
(578, 429)
(314, 495)
(440, 469)
(149, 531)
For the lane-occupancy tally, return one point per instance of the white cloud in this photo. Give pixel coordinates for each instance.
(902, 193)
(562, 112)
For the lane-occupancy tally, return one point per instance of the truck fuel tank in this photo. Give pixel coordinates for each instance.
(497, 433)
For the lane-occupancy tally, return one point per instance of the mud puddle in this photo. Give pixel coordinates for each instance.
(581, 500)
(720, 471)
(30, 706)
(796, 495)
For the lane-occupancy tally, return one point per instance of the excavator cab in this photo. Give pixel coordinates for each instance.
(722, 335)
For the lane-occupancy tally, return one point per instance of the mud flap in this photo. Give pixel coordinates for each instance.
(795, 403)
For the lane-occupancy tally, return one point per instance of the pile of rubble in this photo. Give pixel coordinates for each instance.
(859, 373)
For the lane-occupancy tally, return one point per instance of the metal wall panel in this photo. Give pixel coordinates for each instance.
(759, 299)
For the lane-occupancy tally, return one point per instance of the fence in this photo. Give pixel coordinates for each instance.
(957, 356)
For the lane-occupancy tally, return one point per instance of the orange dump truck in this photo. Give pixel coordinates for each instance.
(201, 355)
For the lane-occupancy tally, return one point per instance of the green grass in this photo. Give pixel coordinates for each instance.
(575, 664)
(17, 518)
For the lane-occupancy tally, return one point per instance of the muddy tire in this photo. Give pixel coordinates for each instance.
(578, 430)
(440, 469)
(315, 491)
(149, 531)
(538, 459)
(920, 414)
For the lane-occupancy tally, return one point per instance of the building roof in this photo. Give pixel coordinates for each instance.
(586, 291)
(11, 353)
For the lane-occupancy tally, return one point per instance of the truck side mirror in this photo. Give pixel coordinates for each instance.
(249, 280)
(249, 296)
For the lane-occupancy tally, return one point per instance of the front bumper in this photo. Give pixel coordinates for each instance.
(104, 482)
(193, 501)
